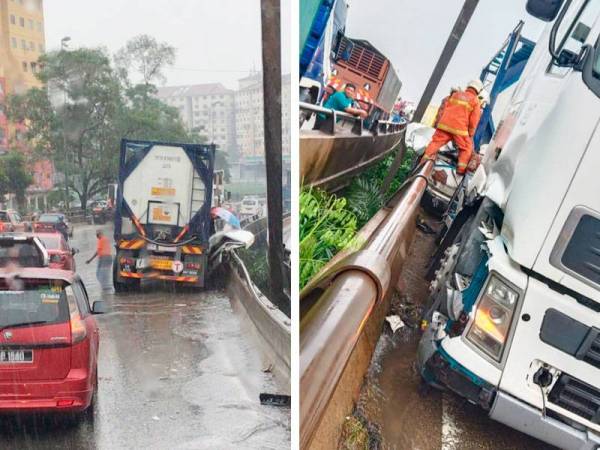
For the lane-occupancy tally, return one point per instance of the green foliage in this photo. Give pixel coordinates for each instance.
(326, 227)
(329, 224)
(15, 176)
(364, 199)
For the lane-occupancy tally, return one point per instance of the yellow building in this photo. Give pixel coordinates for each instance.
(22, 42)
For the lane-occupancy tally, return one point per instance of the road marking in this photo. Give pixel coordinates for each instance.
(450, 431)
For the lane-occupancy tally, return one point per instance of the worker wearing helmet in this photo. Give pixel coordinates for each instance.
(457, 123)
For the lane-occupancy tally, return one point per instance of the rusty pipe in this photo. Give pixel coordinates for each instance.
(389, 239)
(330, 330)
(327, 338)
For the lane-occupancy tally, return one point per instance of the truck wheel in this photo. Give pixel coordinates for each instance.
(119, 286)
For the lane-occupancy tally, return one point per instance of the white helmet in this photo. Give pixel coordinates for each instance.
(475, 84)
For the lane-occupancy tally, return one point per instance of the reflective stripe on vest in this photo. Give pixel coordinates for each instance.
(464, 103)
(451, 130)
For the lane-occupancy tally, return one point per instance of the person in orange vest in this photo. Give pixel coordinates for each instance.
(104, 254)
(457, 122)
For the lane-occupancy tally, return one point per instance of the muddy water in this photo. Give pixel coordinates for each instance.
(408, 417)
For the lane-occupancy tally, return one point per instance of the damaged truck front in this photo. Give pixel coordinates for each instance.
(514, 318)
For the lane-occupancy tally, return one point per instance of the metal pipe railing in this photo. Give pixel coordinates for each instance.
(379, 127)
(331, 328)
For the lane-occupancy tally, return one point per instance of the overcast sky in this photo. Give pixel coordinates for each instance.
(216, 41)
(413, 33)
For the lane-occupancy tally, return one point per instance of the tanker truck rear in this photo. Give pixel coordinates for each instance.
(162, 218)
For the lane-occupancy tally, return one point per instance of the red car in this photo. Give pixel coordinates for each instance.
(10, 220)
(48, 344)
(60, 253)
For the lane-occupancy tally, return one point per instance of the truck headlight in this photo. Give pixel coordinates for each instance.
(493, 316)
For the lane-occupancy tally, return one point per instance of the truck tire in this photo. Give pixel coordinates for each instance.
(123, 286)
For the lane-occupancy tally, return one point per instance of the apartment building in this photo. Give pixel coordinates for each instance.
(22, 41)
(249, 118)
(208, 109)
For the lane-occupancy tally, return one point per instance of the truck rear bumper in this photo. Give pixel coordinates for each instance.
(522, 417)
(159, 276)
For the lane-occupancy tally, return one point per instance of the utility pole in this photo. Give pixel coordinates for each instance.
(63, 47)
(271, 61)
(455, 35)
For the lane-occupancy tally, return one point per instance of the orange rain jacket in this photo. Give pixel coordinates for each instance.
(460, 114)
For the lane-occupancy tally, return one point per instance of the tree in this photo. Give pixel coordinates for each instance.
(79, 133)
(86, 107)
(15, 164)
(147, 57)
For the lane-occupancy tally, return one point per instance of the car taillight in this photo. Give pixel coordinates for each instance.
(78, 331)
(57, 258)
(193, 266)
(64, 403)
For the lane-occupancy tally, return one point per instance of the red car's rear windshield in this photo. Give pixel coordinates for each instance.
(49, 218)
(23, 303)
(24, 253)
(51, 242)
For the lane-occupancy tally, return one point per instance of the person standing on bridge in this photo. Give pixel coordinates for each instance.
(457, 122)
(103, 252)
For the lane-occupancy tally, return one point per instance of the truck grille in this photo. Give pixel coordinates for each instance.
(592, 353)
(577, 397)
(571, 336)
(582, 253)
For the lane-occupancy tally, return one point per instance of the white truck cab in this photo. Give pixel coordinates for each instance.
(514, 319)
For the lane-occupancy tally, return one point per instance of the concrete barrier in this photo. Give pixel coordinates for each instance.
(272, 326)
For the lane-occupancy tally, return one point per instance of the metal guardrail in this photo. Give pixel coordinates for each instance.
(270, 323)
(350, 290)
(333, 116)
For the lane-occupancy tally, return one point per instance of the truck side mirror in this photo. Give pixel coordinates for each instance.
(545, 10)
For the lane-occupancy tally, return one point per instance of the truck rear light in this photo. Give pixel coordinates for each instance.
(78, 331)
(193, 266)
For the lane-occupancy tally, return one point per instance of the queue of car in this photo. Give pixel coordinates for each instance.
(49, 337)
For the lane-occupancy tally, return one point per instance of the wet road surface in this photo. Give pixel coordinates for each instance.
(177, 370)
(391, 401)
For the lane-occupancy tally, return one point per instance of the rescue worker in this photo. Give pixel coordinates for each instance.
(457, 123)
(104, 254)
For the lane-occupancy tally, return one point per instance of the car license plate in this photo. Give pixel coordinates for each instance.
(16, 356)
(161, 264)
